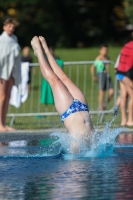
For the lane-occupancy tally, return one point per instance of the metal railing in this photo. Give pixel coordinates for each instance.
(79, 72)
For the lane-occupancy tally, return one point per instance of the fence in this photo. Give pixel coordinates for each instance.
(79, 72)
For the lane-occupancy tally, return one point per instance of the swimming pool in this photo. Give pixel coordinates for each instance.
(31, 169)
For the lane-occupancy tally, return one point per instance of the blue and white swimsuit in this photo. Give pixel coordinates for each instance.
(76, 106)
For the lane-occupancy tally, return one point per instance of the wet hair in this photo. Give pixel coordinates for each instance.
(103, 45)
(11, 21)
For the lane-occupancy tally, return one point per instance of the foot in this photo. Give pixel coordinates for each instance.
(35, 43)
(129, 123)
(124, 123)
(2, 128)
(44, 44)
(8, 128)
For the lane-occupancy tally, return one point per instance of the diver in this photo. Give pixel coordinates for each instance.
(70, 102)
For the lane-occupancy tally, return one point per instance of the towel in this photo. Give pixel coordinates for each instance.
(16, 98)
(46, 91)
(10, 59)
(117, 62)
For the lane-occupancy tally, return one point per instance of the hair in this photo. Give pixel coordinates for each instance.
(51, 47)
(26, 47)
(11, 21)
(103, 45)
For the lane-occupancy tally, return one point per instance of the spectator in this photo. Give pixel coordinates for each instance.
(103, 78)
(124, 94)
(10, 73)
(125, 76)
(27, 58)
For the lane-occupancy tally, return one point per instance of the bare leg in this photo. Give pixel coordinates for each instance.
(63, 98)
(101, 98)
(72, 88)
(118, 101)
(10, 83)
(129, 87)
(110, 94)
(123, 104)
(102, 106)
(3, 84)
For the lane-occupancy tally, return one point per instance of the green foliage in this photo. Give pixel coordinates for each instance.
(67, 23)
(129, 10)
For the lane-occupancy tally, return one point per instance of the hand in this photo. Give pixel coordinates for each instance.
(95, 79)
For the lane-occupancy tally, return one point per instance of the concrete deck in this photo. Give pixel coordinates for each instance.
(27, 134)
(35, 134)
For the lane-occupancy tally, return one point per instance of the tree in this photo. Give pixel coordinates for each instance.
(67, 23)
(129, 10)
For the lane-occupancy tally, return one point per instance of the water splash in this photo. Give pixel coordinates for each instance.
(101, 145)
(59, 144)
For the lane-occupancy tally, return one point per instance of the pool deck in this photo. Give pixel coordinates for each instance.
(27, 134)
(35, 134)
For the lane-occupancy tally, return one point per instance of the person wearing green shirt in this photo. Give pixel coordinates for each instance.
(99, 72)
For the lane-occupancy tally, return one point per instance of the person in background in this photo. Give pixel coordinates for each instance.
(99, 72)
(122, 94)
(10, 71)
(26, 57)
(124, 75)
(118, 100)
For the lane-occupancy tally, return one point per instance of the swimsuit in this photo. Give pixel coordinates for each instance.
(76, 106)
(120, 77)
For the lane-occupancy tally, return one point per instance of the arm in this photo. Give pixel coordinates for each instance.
(106, 68)
(107, 65)
(93, 73)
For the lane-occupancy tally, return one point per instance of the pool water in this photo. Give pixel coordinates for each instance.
(36, 169)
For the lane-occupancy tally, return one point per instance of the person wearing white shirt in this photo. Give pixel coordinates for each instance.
(10, 62)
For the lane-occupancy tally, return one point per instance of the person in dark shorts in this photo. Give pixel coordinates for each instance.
(103, 78)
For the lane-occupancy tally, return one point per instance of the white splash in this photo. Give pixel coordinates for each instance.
(102, 143)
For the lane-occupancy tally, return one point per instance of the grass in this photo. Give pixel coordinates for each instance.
(33, 102)
(85, 53)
